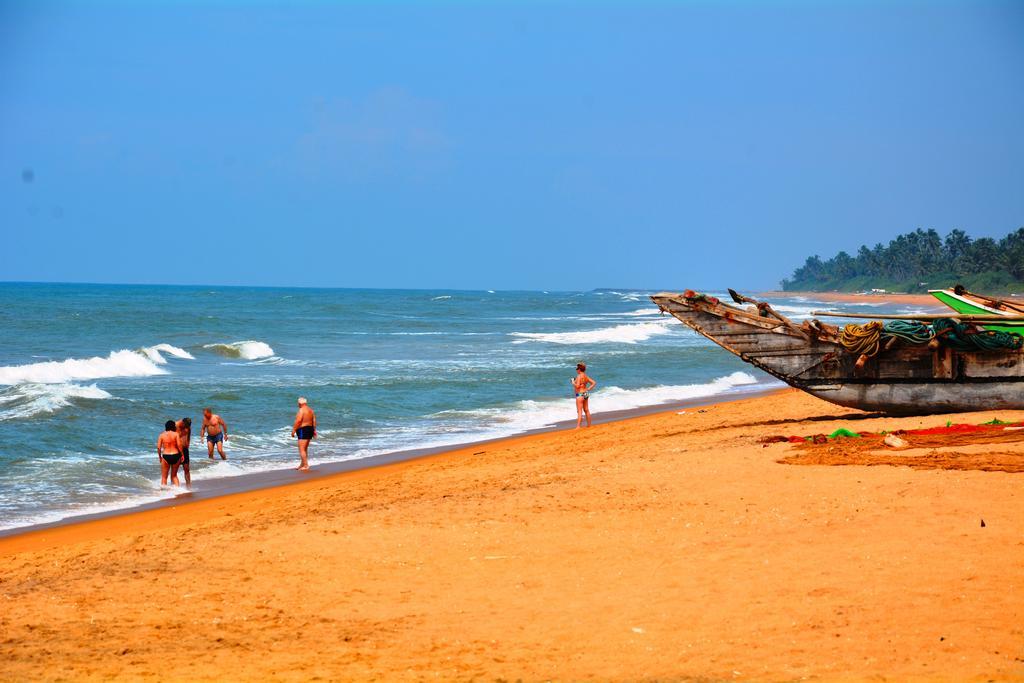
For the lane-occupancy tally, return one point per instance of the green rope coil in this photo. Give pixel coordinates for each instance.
(964, 337)
(909, 331)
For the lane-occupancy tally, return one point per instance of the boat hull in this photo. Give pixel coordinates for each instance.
(903, 380)
(922, 398)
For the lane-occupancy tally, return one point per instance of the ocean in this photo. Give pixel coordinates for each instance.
(90, 373)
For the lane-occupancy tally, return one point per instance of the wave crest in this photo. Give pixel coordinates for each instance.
(618, 334)
(154, 353)
(246, 350)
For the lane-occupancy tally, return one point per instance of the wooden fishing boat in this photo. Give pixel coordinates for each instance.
(911, 365)
(969, 303)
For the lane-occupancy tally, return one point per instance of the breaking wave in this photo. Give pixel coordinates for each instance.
(122, 363)
(246, 350)
(31, 399)
(618, 334)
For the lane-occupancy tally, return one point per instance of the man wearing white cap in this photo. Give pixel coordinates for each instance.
(305, 429)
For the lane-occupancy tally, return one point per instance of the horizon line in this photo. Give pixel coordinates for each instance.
(340, 287)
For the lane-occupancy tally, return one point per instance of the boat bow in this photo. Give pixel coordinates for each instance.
(891, 373)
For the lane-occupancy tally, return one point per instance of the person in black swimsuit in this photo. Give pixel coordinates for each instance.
(168, 452)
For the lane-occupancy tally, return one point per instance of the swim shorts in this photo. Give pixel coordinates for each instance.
(305, 433)
(215, 438)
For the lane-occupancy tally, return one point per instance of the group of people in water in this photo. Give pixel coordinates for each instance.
(172, 446)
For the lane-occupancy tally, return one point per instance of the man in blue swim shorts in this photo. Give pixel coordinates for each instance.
(304, 429)
(215, 429)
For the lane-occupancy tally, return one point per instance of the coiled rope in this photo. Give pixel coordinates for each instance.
(867, 339)
(909, 331)
(861, 339)
(964, 337)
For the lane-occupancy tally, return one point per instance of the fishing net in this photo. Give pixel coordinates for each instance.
(1002, 450)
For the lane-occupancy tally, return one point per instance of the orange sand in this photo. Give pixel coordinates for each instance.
(668, 547)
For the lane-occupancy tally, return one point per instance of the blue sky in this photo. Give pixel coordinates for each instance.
(525, 145)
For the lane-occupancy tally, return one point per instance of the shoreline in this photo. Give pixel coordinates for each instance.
(224, 487)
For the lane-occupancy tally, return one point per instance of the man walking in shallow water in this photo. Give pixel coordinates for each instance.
(305, 429)
(215, 429)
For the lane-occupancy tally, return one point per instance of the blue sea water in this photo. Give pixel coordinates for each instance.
(89, 374)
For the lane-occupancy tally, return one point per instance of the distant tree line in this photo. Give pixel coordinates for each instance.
(918, 261)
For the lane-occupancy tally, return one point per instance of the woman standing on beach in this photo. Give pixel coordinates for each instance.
(582, 384)
(168, 452)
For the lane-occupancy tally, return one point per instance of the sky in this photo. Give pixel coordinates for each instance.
(497, 145)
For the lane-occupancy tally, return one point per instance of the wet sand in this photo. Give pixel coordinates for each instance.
(670, 547)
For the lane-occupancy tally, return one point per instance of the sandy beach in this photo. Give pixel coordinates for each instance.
(668, 547)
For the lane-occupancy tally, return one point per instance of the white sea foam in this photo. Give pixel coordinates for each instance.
(246, 350)
(527, 415)
(618, 334)
(614, 398)
(640, 312)
(122, 363)
(30, 399)
(441, 298)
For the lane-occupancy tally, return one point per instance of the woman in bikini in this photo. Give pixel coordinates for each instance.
(168, 452)
(582, 384)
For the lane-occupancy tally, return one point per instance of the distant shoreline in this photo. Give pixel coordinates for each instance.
(850, 297)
